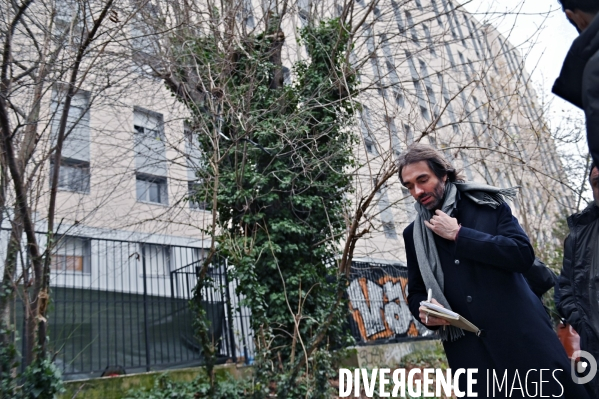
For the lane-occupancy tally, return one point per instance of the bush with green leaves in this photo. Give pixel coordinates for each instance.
(226, 387)
(40, 380)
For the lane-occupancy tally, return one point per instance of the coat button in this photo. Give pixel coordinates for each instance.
(457, 262)
(468, 299)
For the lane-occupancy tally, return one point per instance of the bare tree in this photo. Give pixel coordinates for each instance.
(52, 52)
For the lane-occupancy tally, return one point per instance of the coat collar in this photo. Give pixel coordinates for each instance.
(569, 83)
(583, 218)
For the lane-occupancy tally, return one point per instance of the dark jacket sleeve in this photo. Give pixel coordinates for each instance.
(590, 99)
(416, 288)
(509, 249)
(567, 303)
(540, 278)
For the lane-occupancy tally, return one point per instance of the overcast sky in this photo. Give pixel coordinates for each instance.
(537, 27)
(540, 30)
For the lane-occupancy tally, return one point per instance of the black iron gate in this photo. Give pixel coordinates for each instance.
(126, 304)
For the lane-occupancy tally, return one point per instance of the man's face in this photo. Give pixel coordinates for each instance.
(580, 19)
(424, 185)
(595, 184)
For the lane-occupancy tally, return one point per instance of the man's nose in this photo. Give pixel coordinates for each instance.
(417, 191)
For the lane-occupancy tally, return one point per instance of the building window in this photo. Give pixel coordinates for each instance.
(429, 39)
(464, 66)
(412, 27)
(450, 20)
(286, 75)
(398, 18)
(471, 66)
(409, 134)
(248, 14)
(365, 125)
(369, 143)
(447, 99)
(377, 13)
(421, 100)
(73, 175)
(143, 37)
(304, 16)
(471, 34)
(399, 97)
(157, 259)
(389, 229)
(376, 72)
(195, 201)
(150, 157)
(395, 143)
(71, 254)
(450, 55)
(438, 118)
(152, 134)
(151, 189)
(427, 82)
(457, 23)
(436, 10)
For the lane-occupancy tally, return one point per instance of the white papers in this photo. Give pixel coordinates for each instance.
(439, 309)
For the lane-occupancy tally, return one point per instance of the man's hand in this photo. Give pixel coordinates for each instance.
(443, 225)
(431, 321)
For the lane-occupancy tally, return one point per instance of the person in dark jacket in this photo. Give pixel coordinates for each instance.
(466, 247)
(579, 280)
(578, 81)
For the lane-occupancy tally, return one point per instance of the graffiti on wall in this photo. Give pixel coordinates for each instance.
(378, 303)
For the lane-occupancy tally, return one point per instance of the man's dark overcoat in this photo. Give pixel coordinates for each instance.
(484, 283)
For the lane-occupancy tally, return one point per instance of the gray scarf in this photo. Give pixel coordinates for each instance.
(424, 242)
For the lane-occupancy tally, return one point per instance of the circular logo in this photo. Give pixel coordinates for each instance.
(585, 369)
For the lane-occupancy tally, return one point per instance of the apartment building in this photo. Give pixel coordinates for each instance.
(438, 75)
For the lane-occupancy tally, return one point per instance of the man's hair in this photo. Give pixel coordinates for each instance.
(436, 161)
(590, 6)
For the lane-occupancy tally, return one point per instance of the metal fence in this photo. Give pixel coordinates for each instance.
(126, 304)
(377, 296)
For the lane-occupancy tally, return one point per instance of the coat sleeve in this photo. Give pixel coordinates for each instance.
(567, 303)
(509, 249)
(540, 278)
(590, 100)
(416, 287)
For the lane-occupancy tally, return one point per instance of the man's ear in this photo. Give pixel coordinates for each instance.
(580, 19)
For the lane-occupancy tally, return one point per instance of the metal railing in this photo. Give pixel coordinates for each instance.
(126, 304)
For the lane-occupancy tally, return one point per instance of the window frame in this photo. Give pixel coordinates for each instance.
(163, 188)
(85, 257)
(72, 164)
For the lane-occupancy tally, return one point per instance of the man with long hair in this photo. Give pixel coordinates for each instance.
(467, 248)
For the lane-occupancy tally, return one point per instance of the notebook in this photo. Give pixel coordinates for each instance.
(452, 317)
